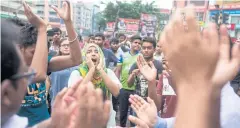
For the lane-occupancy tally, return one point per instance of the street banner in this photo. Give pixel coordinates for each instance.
(110, 26)
(128, 26)
(148, 24)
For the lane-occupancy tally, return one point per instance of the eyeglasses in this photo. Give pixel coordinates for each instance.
(65, 45)
(29, 75)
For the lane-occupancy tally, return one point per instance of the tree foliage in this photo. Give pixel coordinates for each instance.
(128, 10)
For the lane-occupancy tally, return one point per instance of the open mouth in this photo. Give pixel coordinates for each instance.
(94, 60)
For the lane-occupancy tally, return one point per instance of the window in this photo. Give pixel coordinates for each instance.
(54, 19)
(199, 16)
(235, 19)
(39, 12)
(53, 13)
(198, 2)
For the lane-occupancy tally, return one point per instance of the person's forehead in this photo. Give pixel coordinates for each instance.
(136, 40)
(147, 44)
(65, 42)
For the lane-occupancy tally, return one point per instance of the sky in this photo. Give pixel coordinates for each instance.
(167, 4)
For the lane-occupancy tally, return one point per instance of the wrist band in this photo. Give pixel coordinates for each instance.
(72, 40)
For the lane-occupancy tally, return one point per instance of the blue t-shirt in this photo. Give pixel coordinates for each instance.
(34, 105)
(59, 80)
(110, 58)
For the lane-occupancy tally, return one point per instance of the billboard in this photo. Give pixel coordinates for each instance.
(110, 26)
(128, 26)
(148, 25)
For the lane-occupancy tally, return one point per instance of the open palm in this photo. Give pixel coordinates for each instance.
(147, 70)
(65, 11)
(146, 111)
(33, 18)
(227, 67)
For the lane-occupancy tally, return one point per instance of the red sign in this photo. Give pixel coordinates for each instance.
(129, 26)
(110, 26)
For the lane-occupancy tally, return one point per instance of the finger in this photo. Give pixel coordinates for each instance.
(106, 111)
(137, 121)
(141, 101)
(152, 65)
(139, 63)
(136, 101)
(190, 18)
(72, 108)
(213, 35)
(60, 95)
(235, 61)
(224, 44)
(150, 101)
(177, 21)
(135, 108)
(92, 107)
(55, 8)
(99, 94)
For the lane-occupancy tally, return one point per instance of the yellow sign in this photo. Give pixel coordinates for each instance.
(200, 23)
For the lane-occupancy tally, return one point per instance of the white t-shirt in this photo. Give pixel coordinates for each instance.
(74, 77)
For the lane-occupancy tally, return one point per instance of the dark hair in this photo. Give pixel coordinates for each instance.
(9, 55)
(121, 34)
(56, 30)
(114, 40)
(28, 32)
(62, 40)
(90, 35)
(150, 40)
(100, 35)
(79, 37)
(135, 37)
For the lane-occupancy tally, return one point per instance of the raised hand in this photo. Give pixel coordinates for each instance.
(92, 111)
(33, 18)
(65, 11)
(227, 67)
(100, 65)
(190, 55)
(146, 111)
(147, 70)
(62, 111)
(90, 62)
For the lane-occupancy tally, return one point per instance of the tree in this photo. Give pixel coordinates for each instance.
(128, 10)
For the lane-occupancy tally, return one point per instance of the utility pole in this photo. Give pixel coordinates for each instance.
(116, 20)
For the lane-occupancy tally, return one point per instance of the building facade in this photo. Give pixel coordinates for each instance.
(82, 17)
(201, 8)
(13, 8)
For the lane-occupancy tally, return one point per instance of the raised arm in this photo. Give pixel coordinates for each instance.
(75, 57)
(39, 61)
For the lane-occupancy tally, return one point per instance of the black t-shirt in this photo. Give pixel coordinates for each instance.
(140, 82)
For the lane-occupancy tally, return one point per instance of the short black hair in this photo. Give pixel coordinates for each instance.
(56, 29)
(9, 56)
(79, 37)
(90, 35)
(121, 34)
(135, 37)
(115, 40)
(150, 40)
(100, 35)
(28, 32)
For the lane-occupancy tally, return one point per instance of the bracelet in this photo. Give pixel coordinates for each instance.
(73, 40)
